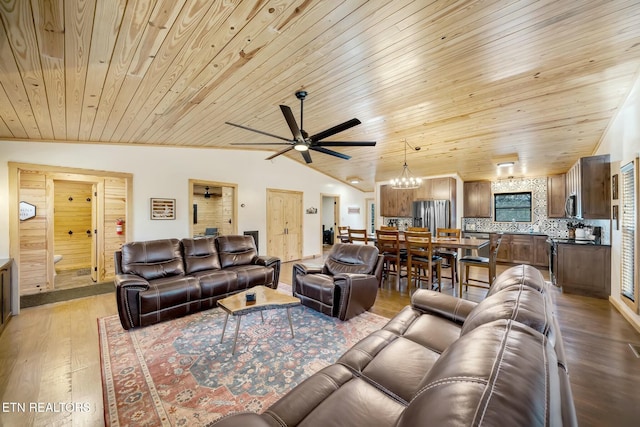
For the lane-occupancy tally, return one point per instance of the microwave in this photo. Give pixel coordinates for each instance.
(571, 206)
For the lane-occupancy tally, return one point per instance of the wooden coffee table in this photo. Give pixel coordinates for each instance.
(266, 299)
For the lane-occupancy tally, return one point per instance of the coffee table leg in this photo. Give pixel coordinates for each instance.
(235, 339)
(290, 323)
(262, 316)
(224, 328)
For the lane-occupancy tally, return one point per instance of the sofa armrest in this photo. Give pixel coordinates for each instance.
(447, 306)
(269, 261)
(355, 294)
(300, 270)
(128, 286)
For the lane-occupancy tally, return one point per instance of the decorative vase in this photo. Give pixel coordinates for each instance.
(572, 233)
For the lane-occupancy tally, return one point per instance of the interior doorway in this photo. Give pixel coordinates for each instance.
(330, 214)
(74, 242)
(214, 208)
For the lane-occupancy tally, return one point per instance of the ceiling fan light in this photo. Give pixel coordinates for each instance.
(301, 146)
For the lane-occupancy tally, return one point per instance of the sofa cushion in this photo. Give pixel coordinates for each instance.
(502, 373)
(200, 254)
(236, 250)
(251, 275)
(350, 258)
(215, 283)
(524, 275)
(153, 259)
(168, 298)
(519, 303)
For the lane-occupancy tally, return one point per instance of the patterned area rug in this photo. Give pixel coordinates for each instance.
(177, 373)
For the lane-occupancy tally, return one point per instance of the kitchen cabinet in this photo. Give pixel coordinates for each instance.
(523, 249)
(396, 202)
(477, 199)
(590, 180)
(584, 269)
(556, 196)
(5, 292)
(399, 203)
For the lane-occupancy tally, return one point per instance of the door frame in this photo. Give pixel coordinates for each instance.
(336, 215)
(59, 172)
(234, 214)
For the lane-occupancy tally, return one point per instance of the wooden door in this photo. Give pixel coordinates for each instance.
(284, 224)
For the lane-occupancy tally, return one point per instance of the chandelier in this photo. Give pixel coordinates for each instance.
(406, 180)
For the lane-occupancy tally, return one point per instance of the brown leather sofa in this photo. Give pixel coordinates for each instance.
(159, 280)
(345, 286)
(444, 361)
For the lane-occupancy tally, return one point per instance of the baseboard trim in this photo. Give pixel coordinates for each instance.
(624, 310)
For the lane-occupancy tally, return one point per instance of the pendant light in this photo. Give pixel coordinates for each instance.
(406, 180)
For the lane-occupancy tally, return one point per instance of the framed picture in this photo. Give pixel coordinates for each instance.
(163, 208)
(615, 217)
(614, 187)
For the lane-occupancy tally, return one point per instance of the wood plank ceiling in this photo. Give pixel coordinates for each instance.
(467, 81)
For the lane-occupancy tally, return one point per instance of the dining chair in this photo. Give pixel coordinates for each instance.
(358, 236)
(482, 262)
(418, 229)
(343, 233)
(388, 227)
(394, 256)
(450, 256)
(421, 260)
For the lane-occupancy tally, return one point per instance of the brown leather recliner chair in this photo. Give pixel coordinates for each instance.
(345, 286)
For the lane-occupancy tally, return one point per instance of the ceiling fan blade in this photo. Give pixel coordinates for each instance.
(279, 152)
(260, 143)
(258, 131)
(334, 130)
(291, 121)
(346, 144)
(306, 156)
(330, 152)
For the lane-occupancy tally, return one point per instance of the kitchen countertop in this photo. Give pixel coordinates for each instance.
(576, 242)
(521, 233)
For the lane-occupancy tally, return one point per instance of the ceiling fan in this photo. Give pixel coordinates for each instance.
(301, 141)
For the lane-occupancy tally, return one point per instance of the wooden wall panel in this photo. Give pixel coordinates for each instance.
(115, 206)
(72, 214)
(33, 245)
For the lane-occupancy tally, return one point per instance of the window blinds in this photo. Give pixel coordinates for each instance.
(628, 226)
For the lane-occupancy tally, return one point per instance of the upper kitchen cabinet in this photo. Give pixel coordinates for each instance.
(396, 202)
(436, 189)
(590, 180)
(477, 199)
(556, 196)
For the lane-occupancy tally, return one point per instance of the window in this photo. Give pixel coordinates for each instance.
(628, 288)
(512, 207)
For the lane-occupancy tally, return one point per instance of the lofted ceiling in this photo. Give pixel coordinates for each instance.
(469, 82)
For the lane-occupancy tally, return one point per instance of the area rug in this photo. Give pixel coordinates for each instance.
(177, 373)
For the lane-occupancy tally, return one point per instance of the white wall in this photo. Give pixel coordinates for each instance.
(165, 172)
(622, 142)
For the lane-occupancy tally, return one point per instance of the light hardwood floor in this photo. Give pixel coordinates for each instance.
(49, 354)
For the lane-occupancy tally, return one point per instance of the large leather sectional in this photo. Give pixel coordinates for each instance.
(159, 280)
(444, 361)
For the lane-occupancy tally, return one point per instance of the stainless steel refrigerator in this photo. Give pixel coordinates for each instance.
(432, 214)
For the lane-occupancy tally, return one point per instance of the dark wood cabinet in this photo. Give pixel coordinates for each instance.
(523, 249)
(399, 203)
(5, 292)
(556, 196)
(590, 180)
(477, 199)
(396, 203)
(584, 269)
